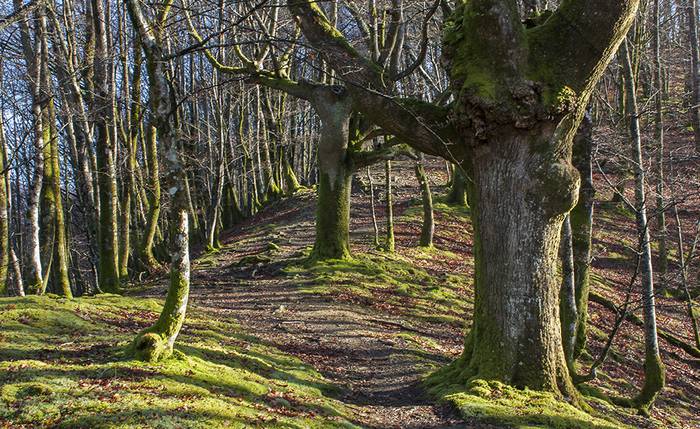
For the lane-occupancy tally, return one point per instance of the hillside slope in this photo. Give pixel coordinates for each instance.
(272, 341)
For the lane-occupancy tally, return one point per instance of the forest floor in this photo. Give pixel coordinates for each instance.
(273, 341)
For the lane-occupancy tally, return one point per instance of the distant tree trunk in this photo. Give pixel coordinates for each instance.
(692, 11)
(212, 222)
(581, 218)
(659, 137)
(390, 245)
(654, 373)
(426, 234)
(374, 213)
(684, 272)
(4, 216)
(106, 171)
(148, 260)
(458, 188)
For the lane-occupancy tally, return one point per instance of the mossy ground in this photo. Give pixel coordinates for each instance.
(62, 365)
(494, 401)
(392, 280)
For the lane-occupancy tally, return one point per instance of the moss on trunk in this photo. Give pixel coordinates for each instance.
(333, 217)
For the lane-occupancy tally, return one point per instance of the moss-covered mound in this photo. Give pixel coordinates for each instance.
(62, 365)
(497, 402)
(391, 280)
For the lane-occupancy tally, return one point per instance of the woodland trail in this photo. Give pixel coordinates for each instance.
(357, 348)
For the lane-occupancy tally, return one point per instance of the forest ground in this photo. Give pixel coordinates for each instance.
(335, 344)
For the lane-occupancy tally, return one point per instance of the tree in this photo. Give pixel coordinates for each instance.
(520, 95)
(157, 342)
(108, 239)
(654, 373)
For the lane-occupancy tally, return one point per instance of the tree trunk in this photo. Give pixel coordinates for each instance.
(517, 210)
(582, 229)
(35, 283)
(692, 11)
(654, 373)
(372, 205)
(147, 259)
(157, 342)
(659, 137)
(4, 215)
(390, 244)
(108, 246)
(567, 296)
(335, 176)
(426, 234)
(458, 189)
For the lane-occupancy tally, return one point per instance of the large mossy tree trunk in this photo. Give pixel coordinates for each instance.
(517, 210)
(335, 176)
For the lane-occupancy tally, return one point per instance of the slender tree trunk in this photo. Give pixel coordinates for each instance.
(692, 11)
(157, 341)
(148, 260)
(426, 234)
(106, 172)
(684, 272)
(654, 373)
(4, 215)
(567, 296)
(659, 137)
(390, 245)
(374, 212)
(34, 276)
(581, 218)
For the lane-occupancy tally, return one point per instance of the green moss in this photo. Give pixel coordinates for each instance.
(390, 279)
(495, 401)
(54, 376)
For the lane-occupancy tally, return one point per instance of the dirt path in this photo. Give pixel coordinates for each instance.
(357, 348)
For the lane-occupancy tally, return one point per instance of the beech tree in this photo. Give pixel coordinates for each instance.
(520, 94)
(157, 341)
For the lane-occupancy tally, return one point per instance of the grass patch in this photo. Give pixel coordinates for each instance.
(61, 365)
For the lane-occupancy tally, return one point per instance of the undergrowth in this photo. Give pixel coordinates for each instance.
(62, 365)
